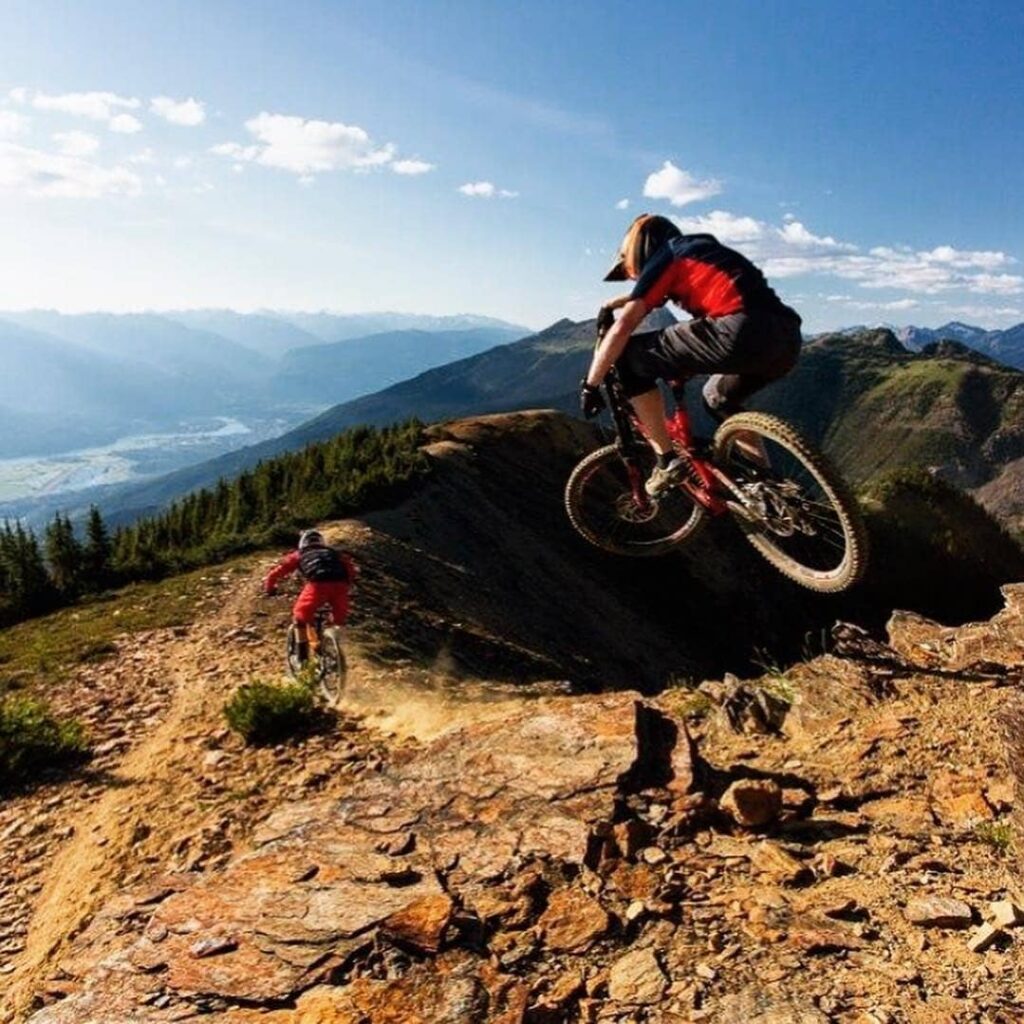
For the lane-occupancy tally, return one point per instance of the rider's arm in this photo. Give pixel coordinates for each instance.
(285, 567)
(618, 302)
(615, 340)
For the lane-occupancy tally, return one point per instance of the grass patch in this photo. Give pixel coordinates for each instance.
(684, 699)
(997, 834)
(774, 679)
(45, 650)
(264, 714)
(32, 739)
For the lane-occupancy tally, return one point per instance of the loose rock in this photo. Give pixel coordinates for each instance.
(938, 912)
(637, 978)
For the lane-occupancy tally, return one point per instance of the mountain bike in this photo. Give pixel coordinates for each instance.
(326, 659)
(787, 498)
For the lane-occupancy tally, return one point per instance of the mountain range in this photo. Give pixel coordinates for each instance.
(74, 381)
(878, 400)
(874, 405)
(1005, 345)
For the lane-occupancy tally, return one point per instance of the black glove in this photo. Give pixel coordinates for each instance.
(591, 400)
(605, 320)
(270, 593)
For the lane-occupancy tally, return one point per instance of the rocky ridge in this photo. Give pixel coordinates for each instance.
(820, 845)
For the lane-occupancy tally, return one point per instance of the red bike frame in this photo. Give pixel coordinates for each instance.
(704, 481)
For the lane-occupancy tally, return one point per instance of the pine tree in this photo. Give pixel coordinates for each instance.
(97, 556)
(64, 556)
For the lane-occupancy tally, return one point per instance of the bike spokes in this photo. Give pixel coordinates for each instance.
(607, 504)
(793, 506)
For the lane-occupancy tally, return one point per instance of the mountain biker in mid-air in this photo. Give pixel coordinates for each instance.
(328, 573)
(742, 333)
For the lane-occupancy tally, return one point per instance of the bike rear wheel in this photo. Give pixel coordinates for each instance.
(332, 668)
(797, 511)
(601, 506)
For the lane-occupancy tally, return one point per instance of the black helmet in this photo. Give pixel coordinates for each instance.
(646, 235)
(311, 539)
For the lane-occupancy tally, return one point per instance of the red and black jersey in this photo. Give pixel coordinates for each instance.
(706, 278)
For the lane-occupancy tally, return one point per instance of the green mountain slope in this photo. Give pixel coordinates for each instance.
(877, 408)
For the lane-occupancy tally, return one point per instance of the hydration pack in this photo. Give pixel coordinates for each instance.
(323, 565)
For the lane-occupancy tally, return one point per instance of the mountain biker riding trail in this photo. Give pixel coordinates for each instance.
(742, 333)
(328, 574)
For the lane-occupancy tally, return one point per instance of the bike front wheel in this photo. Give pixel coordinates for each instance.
(603, 508)
(291, 659)
(796, 509)
(333, 667)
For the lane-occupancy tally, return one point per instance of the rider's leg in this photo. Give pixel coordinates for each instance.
(302, 614)
(338, 598)
(723, 395)
(650, 410)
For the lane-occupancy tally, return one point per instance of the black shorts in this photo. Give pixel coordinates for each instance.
(754, 348)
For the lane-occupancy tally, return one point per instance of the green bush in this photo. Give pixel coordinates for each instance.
(32, 739)
(267, 713)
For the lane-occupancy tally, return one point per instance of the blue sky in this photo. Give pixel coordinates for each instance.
(482, 157)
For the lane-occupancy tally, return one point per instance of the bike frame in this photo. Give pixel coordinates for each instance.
(706, 484)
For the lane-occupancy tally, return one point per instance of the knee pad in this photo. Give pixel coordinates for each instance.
(718, 406)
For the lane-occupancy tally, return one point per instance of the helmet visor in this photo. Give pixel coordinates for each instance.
(618, 271)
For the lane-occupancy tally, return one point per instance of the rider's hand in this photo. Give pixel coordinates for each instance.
(591, 400)
(605, 320)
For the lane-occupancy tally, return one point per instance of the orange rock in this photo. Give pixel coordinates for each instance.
(421, 924)
(634, 881)
(573, 922)
(752, 802)
(959, 800)
(782, 867)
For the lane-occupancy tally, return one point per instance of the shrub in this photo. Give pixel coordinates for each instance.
(32, 739)
(267, 713)
(997, 834)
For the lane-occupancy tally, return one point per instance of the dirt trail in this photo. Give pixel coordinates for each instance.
(187, 794)
(154, 793)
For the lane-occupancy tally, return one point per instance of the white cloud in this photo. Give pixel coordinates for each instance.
(995, 284)
(895, 306)
(144, 156)
(188, 112)
(96, 106)
(12, 123)
(486, 190)
(411, 167)
(125, 124)
(726, 227)
(34, 172)
(76, 143)
(983, 260)
(235, 150)
(679, 187)
(794, 233)
(19, 94)
(622, 204)
(307, 147)
(181, 162)
(970, 312)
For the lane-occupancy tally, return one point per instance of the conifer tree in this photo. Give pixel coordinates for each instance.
(97, 555)
(64, 556)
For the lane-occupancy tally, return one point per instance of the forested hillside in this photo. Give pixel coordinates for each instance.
(352, 472)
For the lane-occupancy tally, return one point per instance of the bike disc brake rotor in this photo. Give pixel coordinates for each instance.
(780, 506)
(629, 510)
